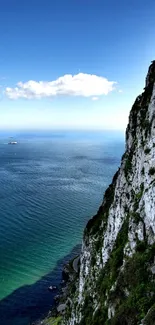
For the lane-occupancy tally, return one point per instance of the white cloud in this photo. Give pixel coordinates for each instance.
(82, 84)
(95, 98)
(120, 91)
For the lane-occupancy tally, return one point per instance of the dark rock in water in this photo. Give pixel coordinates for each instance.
(65, 274)
(57, 297)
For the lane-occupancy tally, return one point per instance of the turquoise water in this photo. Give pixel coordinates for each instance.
(51, 184)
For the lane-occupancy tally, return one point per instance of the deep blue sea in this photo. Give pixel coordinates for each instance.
(50, 185)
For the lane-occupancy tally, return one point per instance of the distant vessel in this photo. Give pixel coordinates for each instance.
(12, 142)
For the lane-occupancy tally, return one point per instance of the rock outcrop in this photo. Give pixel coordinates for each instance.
(116, 283)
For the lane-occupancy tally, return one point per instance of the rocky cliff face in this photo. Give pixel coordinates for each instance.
(116, 283)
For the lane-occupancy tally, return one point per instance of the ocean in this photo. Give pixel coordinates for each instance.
(50, 185)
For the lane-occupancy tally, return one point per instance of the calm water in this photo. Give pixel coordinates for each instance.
(49, 187)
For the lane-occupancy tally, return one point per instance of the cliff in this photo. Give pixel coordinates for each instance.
(116, 283)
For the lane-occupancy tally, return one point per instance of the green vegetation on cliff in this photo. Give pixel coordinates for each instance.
(116, 284)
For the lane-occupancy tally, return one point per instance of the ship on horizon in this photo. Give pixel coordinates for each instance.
(12, 142)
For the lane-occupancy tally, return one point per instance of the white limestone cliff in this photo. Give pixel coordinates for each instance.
(130, 203)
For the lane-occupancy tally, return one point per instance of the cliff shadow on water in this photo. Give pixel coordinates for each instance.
(30, 302)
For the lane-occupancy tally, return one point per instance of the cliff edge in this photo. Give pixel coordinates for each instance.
(116, 283)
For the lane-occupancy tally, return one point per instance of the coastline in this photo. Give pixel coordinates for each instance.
(26, 311)
(70, 272)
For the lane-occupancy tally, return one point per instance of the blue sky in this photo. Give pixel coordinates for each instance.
(73, 63)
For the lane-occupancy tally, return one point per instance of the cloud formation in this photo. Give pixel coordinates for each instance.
(82, 84)
(95, 98)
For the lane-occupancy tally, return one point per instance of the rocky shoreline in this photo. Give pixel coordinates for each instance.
(70, 273)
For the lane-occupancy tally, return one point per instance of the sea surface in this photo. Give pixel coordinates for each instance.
(50, 185)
